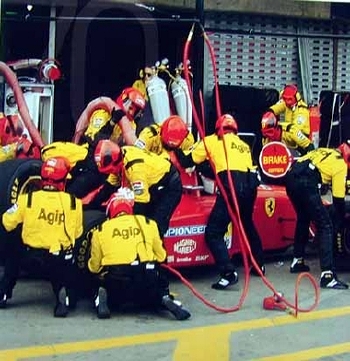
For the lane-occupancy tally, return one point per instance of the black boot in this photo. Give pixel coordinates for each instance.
(101, 304)
(61, 308)
(176, 309)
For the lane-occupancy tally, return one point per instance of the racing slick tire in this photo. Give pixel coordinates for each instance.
(91, 220)
(16, 176)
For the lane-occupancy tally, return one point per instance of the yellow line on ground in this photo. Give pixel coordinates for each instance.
(190, 345)
(313, 353)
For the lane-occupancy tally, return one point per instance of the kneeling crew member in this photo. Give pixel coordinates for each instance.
(126, 252)
(52, 220)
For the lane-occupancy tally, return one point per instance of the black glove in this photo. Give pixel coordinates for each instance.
(116, 114)
(185, 161)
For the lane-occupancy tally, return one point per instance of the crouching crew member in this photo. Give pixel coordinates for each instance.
(155, 180)
(126, 252)
(303, 181)
(51, 220)
(162, 139)
(245, 179)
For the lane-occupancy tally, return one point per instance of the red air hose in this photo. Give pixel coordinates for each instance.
(233, 212)
(12, 80)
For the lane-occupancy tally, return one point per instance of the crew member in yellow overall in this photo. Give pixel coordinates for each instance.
(162, 139)
(52, 220)
(303, 181)
(239, 166)
(294, 131)
(126, 251)
(155, 180)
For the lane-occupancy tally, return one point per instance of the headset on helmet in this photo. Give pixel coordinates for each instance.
(344, 149)
(121, 201)
(226, 124)
(108, 157)
(290, 95)
(11, 129)
(132, 102)
(54, 172)
(173, 132)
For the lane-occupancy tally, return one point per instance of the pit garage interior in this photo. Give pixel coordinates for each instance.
(101, 49)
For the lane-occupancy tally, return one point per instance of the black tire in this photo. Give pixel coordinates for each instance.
(17, 176)
(92, 219)
(85, 281)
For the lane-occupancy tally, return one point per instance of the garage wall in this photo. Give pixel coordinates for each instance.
(268, 52)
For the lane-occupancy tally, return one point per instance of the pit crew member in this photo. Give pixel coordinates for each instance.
(154, 179)
(238, 166)
(126, 253)
(320, 166)
(295, 129)
(162, 139)
(104, 125)
(51, 220)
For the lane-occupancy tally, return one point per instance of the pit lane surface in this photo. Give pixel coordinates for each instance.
(30, 332)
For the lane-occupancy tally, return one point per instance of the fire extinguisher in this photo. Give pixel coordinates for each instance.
(315, 123)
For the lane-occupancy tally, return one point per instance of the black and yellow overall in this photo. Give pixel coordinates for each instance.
(50, 222)
(303, 184)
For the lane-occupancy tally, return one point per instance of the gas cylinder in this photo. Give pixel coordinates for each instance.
(315, 122)
(158, 98)
(181, 96)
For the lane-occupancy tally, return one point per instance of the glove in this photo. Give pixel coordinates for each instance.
(116, 115)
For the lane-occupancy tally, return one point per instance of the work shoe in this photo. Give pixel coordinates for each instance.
(175, 308)
(61, 308)
(3, 300)
(329, 280)
(225, 280)
(299, 266)
(101, 304)
(254, 272)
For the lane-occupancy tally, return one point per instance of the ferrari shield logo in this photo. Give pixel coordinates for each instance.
(270, 205)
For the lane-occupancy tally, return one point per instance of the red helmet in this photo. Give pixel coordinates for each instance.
(108, 157)
(290, 95)
(269, 125)
(344, 149)
(173, 132)
(132, 102)
(121, 201)
(54, 172)
(226, 124)
(11, 129)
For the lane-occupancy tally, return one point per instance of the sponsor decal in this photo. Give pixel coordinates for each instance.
(170, 259)
(138, 187)
(275, 159)
(186, 231)
(185, 246)
(184, 259)
(270, 206)
(202, 257)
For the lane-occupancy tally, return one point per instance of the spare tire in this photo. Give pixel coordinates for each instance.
(17, 176)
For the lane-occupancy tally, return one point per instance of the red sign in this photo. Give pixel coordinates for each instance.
(275, 159)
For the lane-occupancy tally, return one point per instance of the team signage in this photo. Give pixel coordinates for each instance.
(275, 159)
